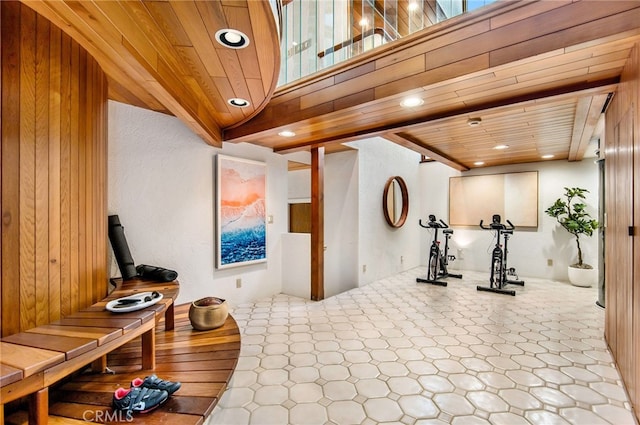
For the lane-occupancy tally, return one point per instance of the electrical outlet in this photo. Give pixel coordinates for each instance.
(549, 262)
(364, 268)
(401, 259)
(238, 283)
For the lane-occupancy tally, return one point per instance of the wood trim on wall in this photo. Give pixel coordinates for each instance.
(317, 224)
(622, 181)
(53, 186)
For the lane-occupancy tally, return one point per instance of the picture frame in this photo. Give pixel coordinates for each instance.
(241, 237)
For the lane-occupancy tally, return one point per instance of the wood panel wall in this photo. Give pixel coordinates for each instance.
(622, 236)
(53, 180)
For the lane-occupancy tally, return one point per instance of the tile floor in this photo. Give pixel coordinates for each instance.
(400, 352)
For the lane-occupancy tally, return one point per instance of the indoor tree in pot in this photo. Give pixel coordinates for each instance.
(572, 215)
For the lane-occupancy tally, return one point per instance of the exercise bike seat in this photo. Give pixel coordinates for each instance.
(507, 232)
(447, 231)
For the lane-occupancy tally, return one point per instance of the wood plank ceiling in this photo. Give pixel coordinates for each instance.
(536, 73)
(162, 55)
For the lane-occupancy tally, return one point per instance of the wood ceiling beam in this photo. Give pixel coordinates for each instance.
(416, 145)
(585, 122)
(383, 130)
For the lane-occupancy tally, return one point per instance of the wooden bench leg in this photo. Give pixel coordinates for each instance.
(99, 365)
(39, 407)
(149, 349)
(169, 318)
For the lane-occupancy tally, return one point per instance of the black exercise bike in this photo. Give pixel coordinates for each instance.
(499, 268)
(438, 259)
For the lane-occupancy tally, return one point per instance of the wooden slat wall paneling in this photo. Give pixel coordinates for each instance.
(42, 172)
(610, 208)
(10, 67)
(622, 204)
(635, 58)
(1, 210)
(102, 283)
(65, 176)
(55, 46)
(634, 88)
(27, 169)
(624, 247)
(73, 175)
(82, 185)
(53, 157)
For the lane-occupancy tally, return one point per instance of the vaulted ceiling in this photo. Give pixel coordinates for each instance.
(537, 74)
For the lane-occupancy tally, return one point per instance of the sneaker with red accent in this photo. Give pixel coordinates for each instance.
(138, 399)
(153, 382)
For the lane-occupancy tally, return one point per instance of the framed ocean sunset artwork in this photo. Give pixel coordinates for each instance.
(241, 212)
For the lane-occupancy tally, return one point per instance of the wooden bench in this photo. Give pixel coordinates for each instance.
(32, 361)
(203, 361)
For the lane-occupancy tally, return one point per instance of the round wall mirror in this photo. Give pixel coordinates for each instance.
(395, 201)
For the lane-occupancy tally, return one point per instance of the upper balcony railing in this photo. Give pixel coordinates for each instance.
(317, 34)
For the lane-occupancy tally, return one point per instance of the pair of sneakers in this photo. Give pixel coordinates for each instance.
(144, 394)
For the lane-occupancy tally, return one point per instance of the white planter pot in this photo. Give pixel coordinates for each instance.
(583, 277)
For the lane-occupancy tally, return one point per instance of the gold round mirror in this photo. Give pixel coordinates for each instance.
(395, 201)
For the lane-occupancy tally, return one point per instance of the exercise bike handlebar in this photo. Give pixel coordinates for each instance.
(497, 226)
(434, 225)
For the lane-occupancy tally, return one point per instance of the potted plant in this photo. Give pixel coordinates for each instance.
(571, 213)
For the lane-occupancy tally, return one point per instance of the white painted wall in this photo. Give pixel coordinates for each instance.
(341, 222)
(299, 186)
(161, 184)
(528, 249)
(381, 247)
(296, 264)
(340, 229)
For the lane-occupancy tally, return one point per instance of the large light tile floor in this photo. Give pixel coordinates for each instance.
(400, 352)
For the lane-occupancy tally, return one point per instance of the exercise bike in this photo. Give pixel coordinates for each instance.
(499, 268)
(438, 259)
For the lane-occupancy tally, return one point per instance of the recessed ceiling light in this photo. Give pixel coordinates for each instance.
(286, 133)
(232, 39)
(501, 147)
(364, 22)
(549, 156)
(478, 163)
(413, 6)
(411, 102)
(474, 122)
(238, 102)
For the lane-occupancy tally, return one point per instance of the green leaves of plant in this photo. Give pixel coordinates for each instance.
(573, 217)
